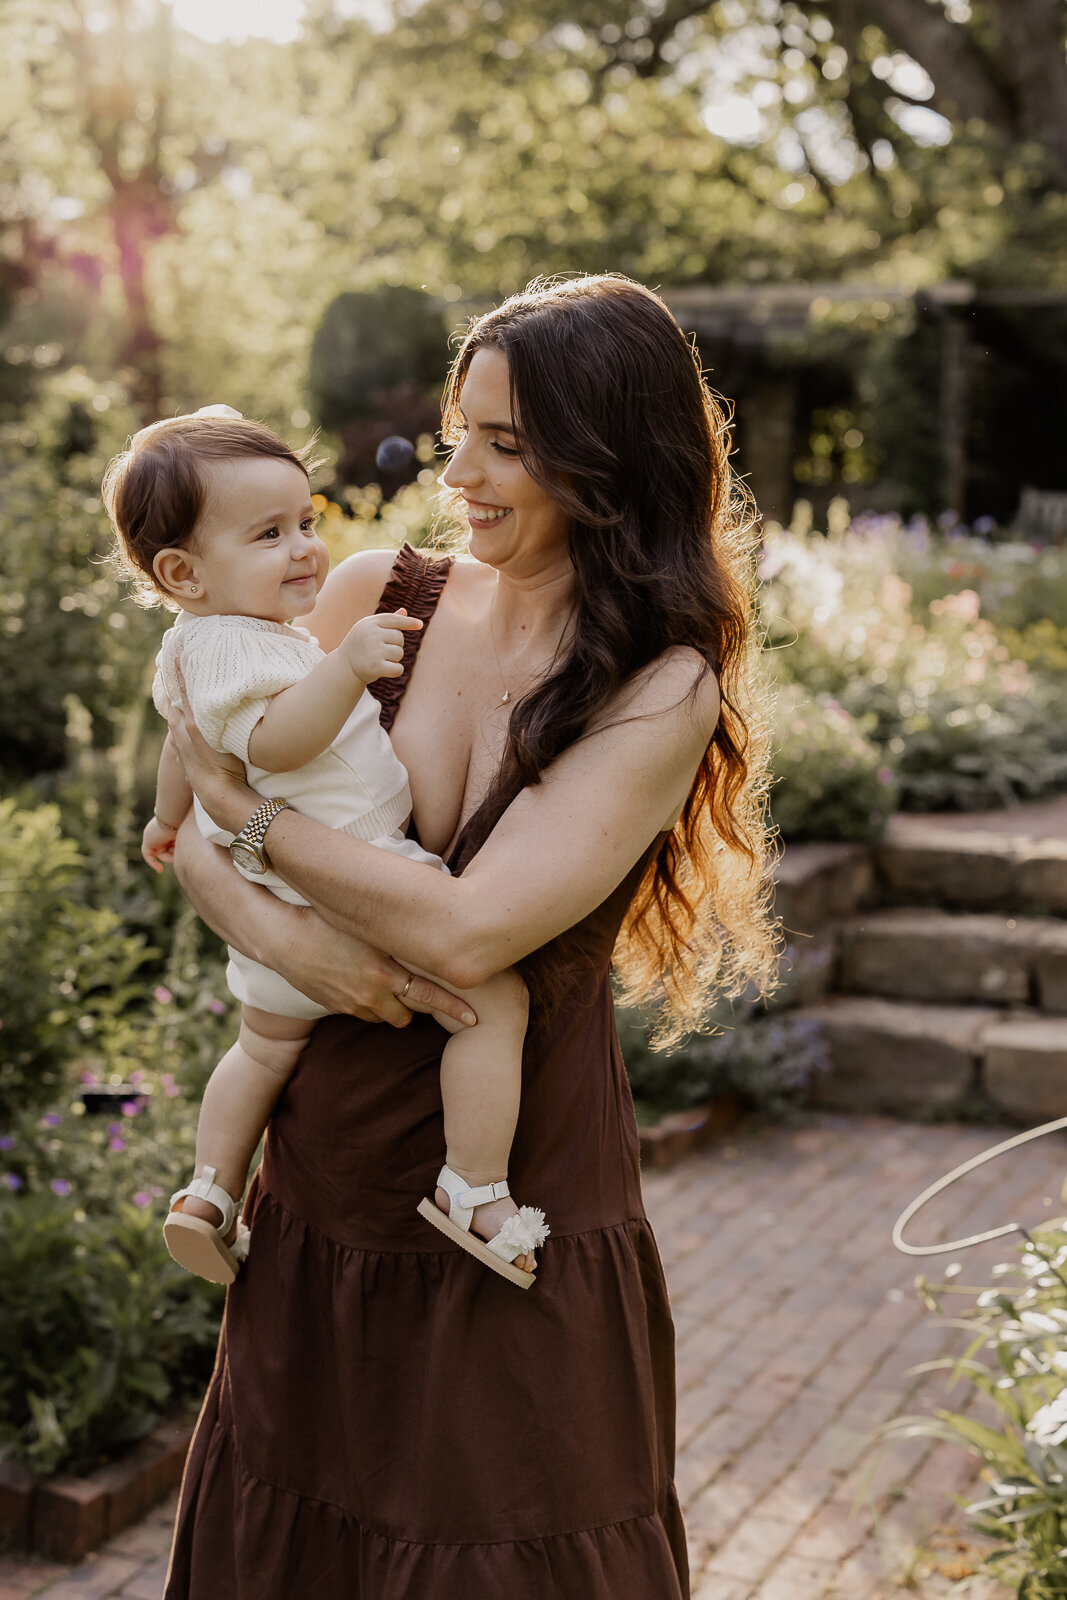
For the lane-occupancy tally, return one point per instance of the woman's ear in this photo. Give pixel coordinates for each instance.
(176, 575)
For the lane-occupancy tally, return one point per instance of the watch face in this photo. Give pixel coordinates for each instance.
(249, 859)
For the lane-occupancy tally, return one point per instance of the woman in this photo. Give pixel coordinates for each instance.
(387, 1420)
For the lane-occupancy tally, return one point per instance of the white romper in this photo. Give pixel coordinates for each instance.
(233, 666)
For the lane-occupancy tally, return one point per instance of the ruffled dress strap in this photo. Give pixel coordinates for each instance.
(416, 584)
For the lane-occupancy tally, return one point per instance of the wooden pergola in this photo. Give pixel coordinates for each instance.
(760, 317)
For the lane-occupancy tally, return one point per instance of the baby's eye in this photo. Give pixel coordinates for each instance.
(309, 524)
(270, 533)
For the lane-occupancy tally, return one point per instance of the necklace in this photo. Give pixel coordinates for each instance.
(506, 696)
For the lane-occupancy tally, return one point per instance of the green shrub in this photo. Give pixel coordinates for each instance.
(102, 1332)
(959, 721)
(831, 780)
(64, 629)
(1017, 1359)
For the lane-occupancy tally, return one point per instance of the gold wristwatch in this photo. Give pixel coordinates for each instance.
(247, 847)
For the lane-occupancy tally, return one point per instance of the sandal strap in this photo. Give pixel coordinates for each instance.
(464, 1199)
(205, 1188)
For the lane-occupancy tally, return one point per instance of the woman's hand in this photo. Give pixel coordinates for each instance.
(346, 975)
(340, 971)
(218, 779)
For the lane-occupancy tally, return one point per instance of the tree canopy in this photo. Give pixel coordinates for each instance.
(186, 211)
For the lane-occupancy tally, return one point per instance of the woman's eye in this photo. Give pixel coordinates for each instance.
(502, 449)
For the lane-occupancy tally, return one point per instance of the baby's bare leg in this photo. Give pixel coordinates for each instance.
(239, 1098)
(481, 1080)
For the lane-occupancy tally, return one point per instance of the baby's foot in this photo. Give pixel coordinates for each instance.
(487, 1222)
(193, 1206)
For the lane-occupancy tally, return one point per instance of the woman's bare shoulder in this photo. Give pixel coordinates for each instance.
(679, 681)
(352, 590)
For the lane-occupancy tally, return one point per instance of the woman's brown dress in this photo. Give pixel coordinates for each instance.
(388, 1419)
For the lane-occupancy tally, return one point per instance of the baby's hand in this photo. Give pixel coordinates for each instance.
(374, 647)
(157, 844)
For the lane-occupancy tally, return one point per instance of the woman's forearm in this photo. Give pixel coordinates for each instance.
(425, 917)
(251, 919)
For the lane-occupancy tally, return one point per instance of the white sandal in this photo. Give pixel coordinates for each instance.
(520, 1234)
(200, 1246)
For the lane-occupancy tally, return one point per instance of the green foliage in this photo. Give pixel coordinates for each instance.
(64, 637)
(78, 988)
(957, 721)
(831, 781)
(768, 1061)
(371, 342)
(1017, 1358)
(102, 1331)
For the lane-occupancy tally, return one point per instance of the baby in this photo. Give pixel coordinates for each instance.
(213, 518)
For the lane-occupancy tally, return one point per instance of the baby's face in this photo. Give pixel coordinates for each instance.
(255, 550)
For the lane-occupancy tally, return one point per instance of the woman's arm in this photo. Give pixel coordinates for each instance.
(556, 854)
(340, 971)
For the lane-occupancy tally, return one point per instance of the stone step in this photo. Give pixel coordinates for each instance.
(952, 958)
(910, 1059)
(974, 871)
(897, 1056)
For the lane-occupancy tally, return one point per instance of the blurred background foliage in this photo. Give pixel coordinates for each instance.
(858, 209)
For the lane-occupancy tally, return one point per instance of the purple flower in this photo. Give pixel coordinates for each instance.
(116, 1144)
(142, 1198)
(162, 994)
(130, 1108)
(217, 1007)
(114, 1127)
(156, 1190)
(170, 1088)
(137, 1077)
(90, 1079)
(7, 1142)
(60, 1186)
(51, 1119)
(12, 1180)
(885, 775)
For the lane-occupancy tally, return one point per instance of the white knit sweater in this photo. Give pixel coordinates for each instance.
(233, 666)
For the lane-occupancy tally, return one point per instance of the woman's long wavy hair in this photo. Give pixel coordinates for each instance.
(618, 425)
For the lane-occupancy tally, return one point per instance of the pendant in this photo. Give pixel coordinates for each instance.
(505, 697)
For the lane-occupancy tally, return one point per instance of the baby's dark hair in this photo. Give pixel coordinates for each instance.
(155, 491)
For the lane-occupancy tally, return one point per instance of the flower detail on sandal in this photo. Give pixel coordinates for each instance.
(521, 1234)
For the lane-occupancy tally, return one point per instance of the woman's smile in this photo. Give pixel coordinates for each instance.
(482, 515)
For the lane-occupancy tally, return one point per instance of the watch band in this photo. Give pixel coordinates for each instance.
(255, 828)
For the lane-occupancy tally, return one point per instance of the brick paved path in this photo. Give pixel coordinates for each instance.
(797, 1324)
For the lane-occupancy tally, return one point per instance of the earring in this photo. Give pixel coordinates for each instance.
(194, 588)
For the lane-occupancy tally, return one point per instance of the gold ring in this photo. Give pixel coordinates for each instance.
(406, 987)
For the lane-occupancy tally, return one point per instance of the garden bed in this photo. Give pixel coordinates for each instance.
(65, 1517)
(682, 1133)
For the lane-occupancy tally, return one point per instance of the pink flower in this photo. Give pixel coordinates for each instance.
(169, 1087)
(90, 1079)
(130, 1108)
(885, 775)
(116, 1144)
(60, 1186)
(162, 994)
(217, 1007)
(137, 1077)
(142, 1199)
